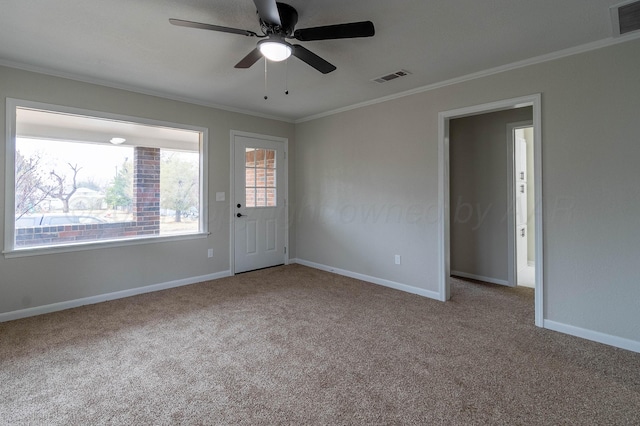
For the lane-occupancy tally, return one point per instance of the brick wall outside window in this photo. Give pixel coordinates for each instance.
(146, 190)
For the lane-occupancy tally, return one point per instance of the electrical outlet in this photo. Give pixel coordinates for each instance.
(397, 259)
(210, 253)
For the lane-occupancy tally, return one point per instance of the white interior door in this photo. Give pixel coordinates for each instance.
(521, 202)
(259, 203)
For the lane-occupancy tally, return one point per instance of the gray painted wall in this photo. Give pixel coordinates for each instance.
(40, 280)
(364, 195)
(386, 155)
(478, 192)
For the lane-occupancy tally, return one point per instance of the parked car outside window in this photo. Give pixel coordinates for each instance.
(30, 221)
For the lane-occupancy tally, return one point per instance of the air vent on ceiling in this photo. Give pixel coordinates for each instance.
(625, 17)
(392, 76)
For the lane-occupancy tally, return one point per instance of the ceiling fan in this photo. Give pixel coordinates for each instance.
(277, 22)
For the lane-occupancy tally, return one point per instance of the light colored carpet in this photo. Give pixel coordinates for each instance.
(293, 345)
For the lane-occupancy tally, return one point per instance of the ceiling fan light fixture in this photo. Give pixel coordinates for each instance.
(276, 51)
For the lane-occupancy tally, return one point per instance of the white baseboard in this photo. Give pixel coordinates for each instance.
(60, 306)
(386, 283)
(596, 336)
(480, 278)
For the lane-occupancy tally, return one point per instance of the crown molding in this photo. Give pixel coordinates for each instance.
(434, 86)
(508, 67)
(134, 89)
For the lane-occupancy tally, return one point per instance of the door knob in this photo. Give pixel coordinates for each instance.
(239, 205)
(240, 215)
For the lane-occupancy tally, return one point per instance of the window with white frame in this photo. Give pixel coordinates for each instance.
(82, 177)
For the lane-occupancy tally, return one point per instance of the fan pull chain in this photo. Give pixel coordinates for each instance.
(265, 79)
(286, 77)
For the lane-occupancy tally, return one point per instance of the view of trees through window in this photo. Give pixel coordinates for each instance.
(67, 192)
(66, 177)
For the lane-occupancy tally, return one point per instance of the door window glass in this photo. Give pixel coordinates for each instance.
(260, 177)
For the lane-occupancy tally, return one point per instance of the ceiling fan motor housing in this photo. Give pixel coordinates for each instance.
(288, 21)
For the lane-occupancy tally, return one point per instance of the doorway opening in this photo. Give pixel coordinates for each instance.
(444, 119)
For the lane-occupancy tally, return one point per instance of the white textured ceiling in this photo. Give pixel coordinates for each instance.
(130, 43)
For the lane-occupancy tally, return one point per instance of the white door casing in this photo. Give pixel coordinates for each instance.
(444, 287)
(258, 204)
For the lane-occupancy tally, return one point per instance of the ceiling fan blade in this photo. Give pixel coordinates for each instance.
(268, 11)
(312, 59)
(250, 59)
(330, 32)
(191, 24)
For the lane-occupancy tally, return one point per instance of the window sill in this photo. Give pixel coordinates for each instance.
(43, 250)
